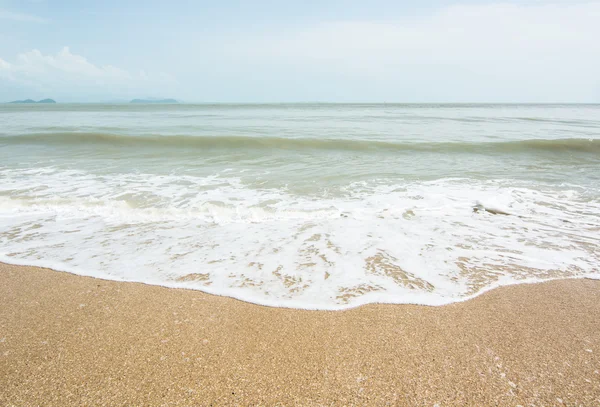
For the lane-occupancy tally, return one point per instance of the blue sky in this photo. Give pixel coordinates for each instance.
(276, 51)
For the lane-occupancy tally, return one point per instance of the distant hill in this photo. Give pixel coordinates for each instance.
(154, 101)
(33, 101)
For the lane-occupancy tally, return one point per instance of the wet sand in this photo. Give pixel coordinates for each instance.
(71, 340)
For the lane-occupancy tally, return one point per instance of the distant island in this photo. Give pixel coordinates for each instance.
(33, 101)
(154, 101)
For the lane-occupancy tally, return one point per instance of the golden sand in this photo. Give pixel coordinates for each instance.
(67, 340)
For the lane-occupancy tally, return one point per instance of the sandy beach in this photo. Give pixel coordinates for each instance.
(71, 340)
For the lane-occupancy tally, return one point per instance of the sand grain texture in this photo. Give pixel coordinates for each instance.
(71, 340)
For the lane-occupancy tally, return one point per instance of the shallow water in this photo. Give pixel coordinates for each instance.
(309, 206)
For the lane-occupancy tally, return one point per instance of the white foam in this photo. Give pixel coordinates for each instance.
(400, 242)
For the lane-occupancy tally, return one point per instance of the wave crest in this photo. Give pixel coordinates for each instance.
(572, 145)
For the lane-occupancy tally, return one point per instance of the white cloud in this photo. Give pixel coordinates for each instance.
(66, 73)
(537, 51)
(34, 62)
(459, 33)
(14, 16)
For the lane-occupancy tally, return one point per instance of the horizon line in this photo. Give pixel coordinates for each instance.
(179, 102)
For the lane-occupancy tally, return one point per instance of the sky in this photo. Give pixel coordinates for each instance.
(301, 51)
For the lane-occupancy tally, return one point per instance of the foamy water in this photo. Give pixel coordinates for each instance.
(304, 206)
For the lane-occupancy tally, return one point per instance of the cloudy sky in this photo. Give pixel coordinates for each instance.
(311, 50)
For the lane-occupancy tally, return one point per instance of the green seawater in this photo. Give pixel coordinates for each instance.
(304, 205)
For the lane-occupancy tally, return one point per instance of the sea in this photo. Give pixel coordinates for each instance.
(311, 206)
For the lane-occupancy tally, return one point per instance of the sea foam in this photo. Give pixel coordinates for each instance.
(392, 241)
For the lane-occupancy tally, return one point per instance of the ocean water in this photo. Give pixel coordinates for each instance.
(316, 206)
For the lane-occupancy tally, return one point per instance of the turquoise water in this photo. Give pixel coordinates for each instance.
(308, 205)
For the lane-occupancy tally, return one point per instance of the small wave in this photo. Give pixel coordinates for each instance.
(571, 145)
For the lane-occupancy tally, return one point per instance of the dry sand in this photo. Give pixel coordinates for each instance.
(67, 340)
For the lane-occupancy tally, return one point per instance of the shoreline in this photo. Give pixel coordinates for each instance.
(175, 285)
(67, 339)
